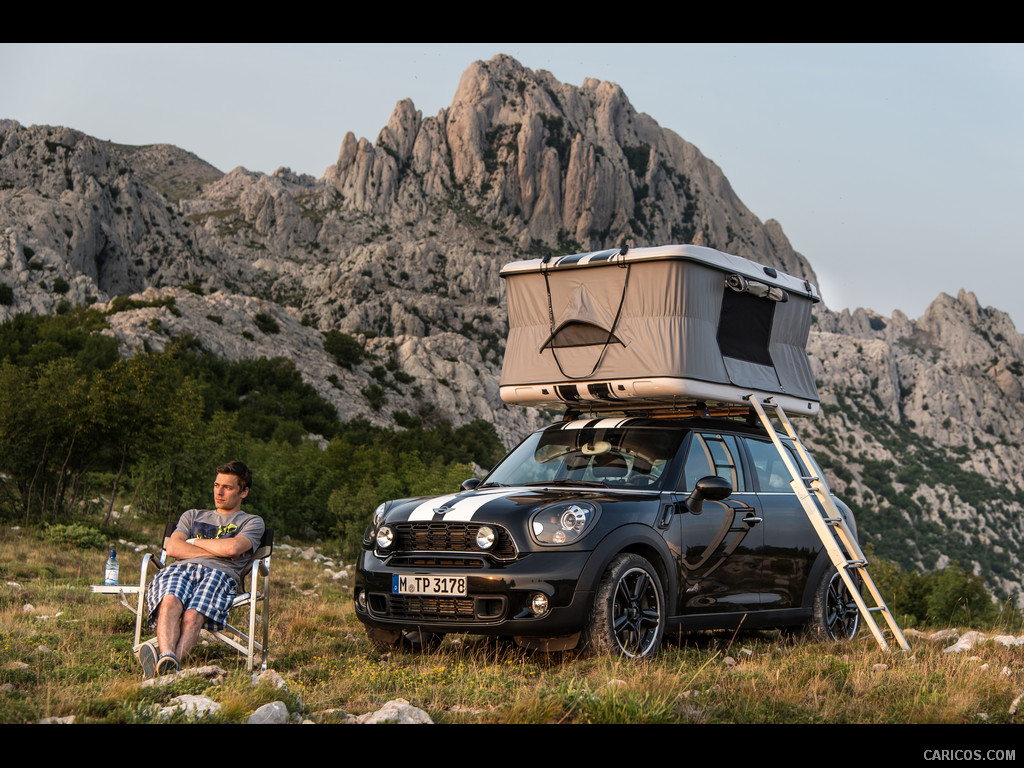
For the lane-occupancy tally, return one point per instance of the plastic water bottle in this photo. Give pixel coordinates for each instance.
(111, 571)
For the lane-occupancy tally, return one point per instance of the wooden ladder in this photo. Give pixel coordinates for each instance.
(828, 522)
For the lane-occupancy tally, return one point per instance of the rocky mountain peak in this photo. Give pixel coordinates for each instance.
(548, 164)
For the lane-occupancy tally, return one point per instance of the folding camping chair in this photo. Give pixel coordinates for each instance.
(255, 601)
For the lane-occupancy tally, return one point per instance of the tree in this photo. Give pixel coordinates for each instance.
(145, 412)
(171, 468)
(46, 433)
(959, 597)
(19, 436)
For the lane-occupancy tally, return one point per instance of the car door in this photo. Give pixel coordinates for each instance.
(720, 548)
(790, 542)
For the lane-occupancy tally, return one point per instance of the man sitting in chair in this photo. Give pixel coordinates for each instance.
(213, 548)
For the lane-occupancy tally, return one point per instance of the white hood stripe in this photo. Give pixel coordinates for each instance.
(425, 511)
(461, 510)
(465, 509)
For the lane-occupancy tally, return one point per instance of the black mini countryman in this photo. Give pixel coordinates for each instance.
(606, 533)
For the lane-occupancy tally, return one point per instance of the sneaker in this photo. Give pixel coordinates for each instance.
(167, 664)
(148, 653)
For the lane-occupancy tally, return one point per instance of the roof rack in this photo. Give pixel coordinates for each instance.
(688, 410)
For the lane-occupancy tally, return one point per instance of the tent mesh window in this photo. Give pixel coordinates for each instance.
(581, 335)
(745, 327)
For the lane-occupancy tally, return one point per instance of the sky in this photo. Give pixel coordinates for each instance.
(896, 169)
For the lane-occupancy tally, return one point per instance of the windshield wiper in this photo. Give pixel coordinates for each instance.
(588, 483)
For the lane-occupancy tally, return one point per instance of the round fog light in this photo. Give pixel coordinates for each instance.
(385, 537)
(539, 604)
(485, 537)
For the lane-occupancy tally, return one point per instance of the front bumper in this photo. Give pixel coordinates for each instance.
(497, 600)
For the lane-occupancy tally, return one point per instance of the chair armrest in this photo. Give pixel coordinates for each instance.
(260, 567)
(149, 561)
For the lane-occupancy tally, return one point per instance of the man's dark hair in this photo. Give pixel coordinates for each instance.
(239, 470)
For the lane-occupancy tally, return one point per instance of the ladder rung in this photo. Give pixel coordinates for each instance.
(855, 564)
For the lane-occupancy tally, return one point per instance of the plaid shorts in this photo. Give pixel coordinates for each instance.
(199, 587)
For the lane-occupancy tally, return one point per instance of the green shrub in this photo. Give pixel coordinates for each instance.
(957, 596)
(266, 323)
(375, 396)
(345, 349)
(77, 535)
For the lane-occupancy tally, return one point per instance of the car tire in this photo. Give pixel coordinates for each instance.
(835, 616)
(628, 618)
(405, 641)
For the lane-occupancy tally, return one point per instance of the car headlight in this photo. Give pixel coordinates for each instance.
(563, 523)
(370, 534)
(385, 537)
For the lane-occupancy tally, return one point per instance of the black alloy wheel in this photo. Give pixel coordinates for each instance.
(836, 615)
(629, 609)
(842, 616)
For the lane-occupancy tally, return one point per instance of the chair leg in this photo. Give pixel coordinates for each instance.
(141, 611)
(252, 632)
(266, 623)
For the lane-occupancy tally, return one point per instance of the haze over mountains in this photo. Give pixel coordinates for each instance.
(399, 245)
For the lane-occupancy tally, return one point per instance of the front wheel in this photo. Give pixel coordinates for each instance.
(629, 610)
(836, 615)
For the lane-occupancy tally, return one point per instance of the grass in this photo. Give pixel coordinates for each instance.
(70, 655)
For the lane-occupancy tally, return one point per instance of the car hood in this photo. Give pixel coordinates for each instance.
(504, 505)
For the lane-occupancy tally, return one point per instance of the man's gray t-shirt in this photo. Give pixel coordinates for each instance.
(211, 524)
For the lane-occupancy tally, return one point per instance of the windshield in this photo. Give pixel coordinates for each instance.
(618, 457)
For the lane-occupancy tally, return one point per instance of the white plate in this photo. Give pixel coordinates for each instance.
(428, 584)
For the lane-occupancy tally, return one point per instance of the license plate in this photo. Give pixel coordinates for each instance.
(428, 584)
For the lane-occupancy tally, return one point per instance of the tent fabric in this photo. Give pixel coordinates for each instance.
(669, 324)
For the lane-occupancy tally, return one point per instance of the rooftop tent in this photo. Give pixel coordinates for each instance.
(668, 326)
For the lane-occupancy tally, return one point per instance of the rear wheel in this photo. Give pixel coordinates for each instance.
(629, 610)
(836, 616)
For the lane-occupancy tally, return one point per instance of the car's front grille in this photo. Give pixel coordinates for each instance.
(422, 561)
(441, 536)
(419, 607)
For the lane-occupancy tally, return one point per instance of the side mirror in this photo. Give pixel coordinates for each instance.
(470, 484)
(710, 487)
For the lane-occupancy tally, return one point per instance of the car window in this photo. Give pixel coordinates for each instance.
(772, 474)
(712, 454)
(615, 457)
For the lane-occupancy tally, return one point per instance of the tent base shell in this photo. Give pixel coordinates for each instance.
(644, 393)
